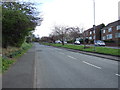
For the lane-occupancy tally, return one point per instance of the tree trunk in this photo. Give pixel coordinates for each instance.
(84, 42)
(62, 41)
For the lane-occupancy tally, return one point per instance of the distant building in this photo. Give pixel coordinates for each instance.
(111, 33)
(92, 34)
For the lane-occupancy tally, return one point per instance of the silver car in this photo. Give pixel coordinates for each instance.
(99, 43)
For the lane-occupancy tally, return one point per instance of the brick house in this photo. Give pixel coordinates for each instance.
(92, 34)
(111, 34)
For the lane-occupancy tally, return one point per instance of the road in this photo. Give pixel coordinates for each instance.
(0, 81)
(59, 68)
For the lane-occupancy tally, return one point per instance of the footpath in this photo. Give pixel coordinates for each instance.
(21, 74)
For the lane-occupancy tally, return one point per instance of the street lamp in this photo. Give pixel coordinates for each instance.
(94, 10)
(94, 22)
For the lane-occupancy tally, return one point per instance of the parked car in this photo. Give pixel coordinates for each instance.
(58, 41)
(65, 42)
(77, 42)
(99, 43)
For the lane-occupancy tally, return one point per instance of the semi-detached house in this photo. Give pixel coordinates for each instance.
(92, 34)
(109, 33)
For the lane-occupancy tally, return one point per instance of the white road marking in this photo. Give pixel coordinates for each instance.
(91, 65)
(117, 75)
(35, 74)
(71, 57)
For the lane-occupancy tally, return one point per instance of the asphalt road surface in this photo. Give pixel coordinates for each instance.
(59, 68)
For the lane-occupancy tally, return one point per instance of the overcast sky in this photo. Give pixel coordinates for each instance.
(75, 13)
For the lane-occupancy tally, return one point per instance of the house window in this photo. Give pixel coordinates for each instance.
(110, 30)
(109, 36)
(118, 27)
(104, 37)
(90, 38)
(90, 32)
(117, 35)
(93, 37)
(103, 31)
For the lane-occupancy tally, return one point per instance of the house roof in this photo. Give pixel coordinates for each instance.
(115, 23)
(97, 27)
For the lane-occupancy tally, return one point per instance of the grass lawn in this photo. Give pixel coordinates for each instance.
(6, 63)
(103, 50)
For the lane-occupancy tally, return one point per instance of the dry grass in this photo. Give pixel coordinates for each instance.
(9, 50)
(11, 54)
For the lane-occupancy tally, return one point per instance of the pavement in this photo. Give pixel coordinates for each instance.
(49, 67)
(21, 74)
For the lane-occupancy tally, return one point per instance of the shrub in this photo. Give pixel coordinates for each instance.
(71, 41)
(109, 41)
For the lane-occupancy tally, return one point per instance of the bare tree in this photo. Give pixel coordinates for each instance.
(53, 37)
(74, 32)
(85, 40)
(60, 32)
(65, 32)
(78, 32)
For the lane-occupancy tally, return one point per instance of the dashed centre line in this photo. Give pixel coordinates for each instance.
(86, 63)
(91, 65)
(71, 57)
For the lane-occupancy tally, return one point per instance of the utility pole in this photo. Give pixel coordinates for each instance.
(94, 23)
(119, 10)
(94, 10)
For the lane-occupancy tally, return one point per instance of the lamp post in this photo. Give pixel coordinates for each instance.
(94, 10)
(119, 10)
(94, 22)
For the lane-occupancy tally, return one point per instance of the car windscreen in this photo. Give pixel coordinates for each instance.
(100, 41)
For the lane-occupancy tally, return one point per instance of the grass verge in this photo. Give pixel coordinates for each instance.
(102, 50)
(11, 57)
